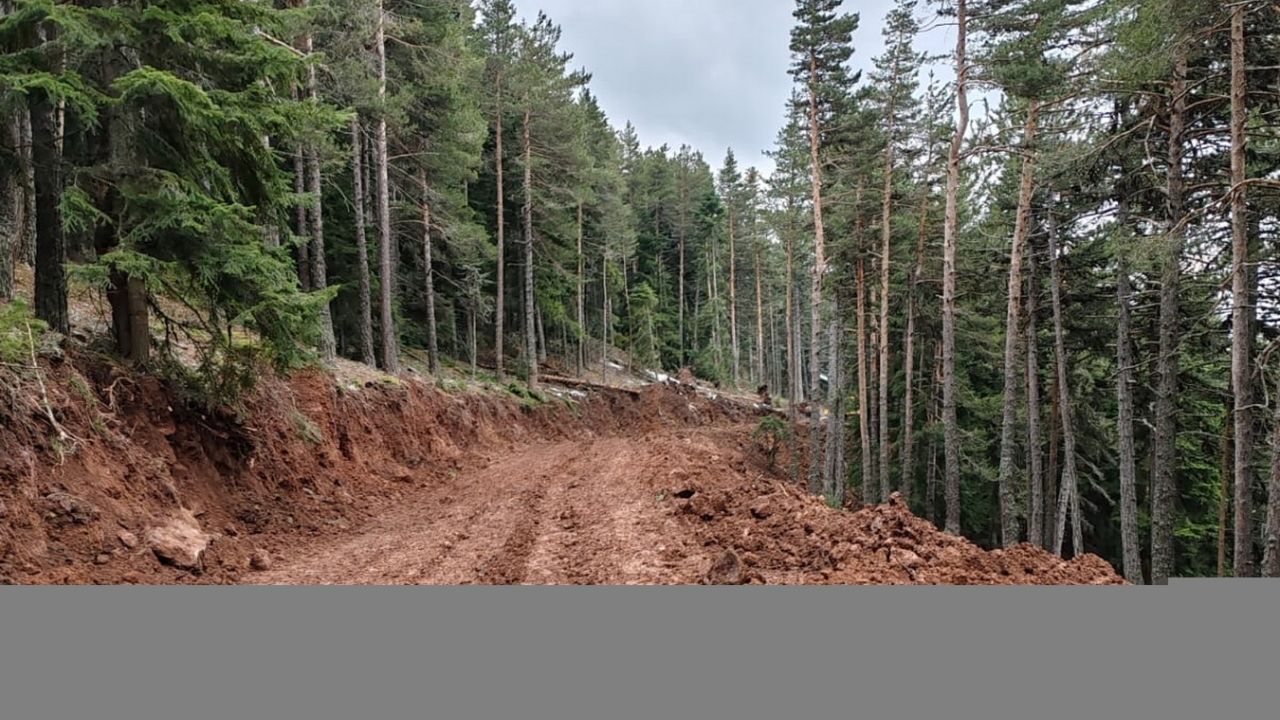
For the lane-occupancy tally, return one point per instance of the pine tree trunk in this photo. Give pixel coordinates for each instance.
(582, 312)
(530, 339)
(819, 272)
(1165, 453)
(604, 316)
(386, 270)
(1069, 491)
(12, 206)
(761, 373)
(870, 491)
(362, 246)
(1271, 540)
(834, 481)
(1009, 530)
(909, 402)
(499, 304)
(951, 426)
(27, 166)
(1132, 553)
(50, 275)
(1224, 498)
(684, 199)
(733, 306)
(300, 220)
(1242, 313)
(428, 262)
(1036, 526)
(886, 246)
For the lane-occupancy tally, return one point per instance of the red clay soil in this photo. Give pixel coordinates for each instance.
(402, 483)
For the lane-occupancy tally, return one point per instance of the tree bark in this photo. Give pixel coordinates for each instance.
(582, 312)
(50, 275)
(733, 304)
(761, 372)
(1036, 525)
(433, 346)
(1271, 556)
(1130, 548)
(1164, 462)
(362, 246)
(300, 227)
(386, 270)
(1242, 312)
(499, 305)
(909, 403)
(951, 426)
(819, 272)
(13, 205)
(530, 338)
(1069, 491)
(834, 490)
(1009, 529)
(870, 491)
(1224, 499)
(315, 186)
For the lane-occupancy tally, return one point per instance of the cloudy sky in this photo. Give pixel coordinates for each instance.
(710, 73)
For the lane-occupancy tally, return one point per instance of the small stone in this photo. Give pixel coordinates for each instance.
(102, 559)
(4, 511)
(726, 571)
(230, 531)
(260, 561)
(762, 509)
(907, 558)
(127, 539)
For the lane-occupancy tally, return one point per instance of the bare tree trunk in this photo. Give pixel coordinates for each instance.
(951, 426)
(1241, 313)
(1165, 452)
(606, 313)
(582, 312)
(433, 347)
(733, 305)
(14, 204)
(834, 485)
(684, 199)
(870, 492)
(1271, 557)
(819, 272)
(499, 312)
(1224, 499)
(531, 346)
(883, 348)
(327, 346)
(51, 246)
(27, 166)
(1131, 549)
(1069, 492)
(386, 271)
(1009, 511)
(362, 246)
(1036, 525)
(300, 220)
(761, 373)
(931, 473)
(909, 403)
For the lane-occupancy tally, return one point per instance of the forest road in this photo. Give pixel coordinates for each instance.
(594, 511)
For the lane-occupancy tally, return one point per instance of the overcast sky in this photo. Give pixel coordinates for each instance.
(710, 73)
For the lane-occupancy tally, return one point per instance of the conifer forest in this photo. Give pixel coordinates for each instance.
(280, 280)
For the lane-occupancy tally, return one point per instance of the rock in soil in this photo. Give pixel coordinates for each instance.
(179, 542)
(726, 571)
(260, 561)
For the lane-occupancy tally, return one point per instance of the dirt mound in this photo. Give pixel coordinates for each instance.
(785, 537)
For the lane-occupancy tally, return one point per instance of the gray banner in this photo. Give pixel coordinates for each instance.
(1196, 650)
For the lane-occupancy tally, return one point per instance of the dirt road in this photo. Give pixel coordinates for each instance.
(564, 513)
(669, 507)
